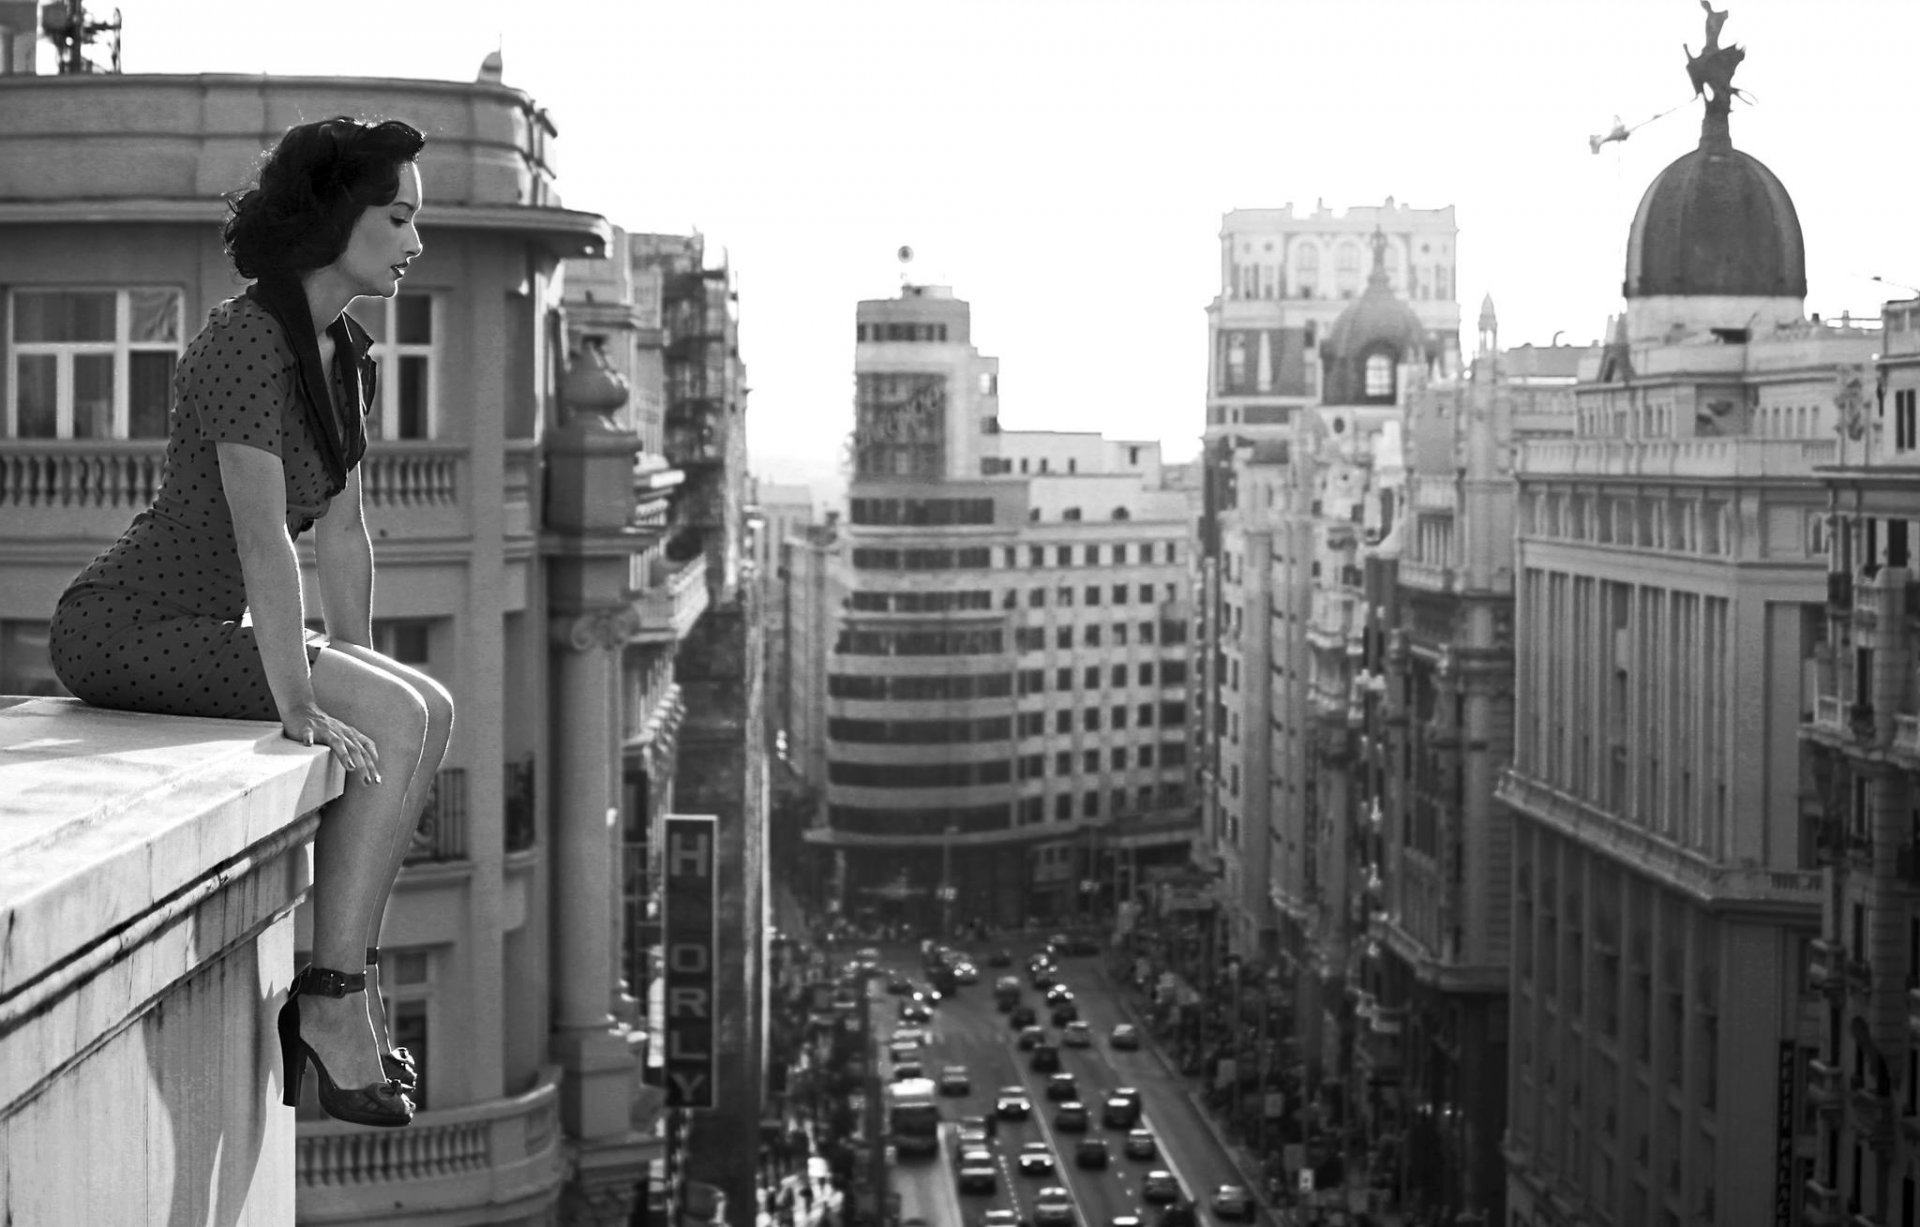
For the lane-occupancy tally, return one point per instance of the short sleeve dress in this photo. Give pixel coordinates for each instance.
(154, 623)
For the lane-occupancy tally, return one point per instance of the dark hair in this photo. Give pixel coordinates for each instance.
(313, 188)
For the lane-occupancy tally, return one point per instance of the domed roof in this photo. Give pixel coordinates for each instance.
(1378, 321)
(1716, 222)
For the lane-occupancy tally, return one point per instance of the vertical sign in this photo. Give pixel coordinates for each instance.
(690, 933)
(1783, 1163)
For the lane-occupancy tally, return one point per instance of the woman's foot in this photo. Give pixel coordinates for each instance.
(336, 1029)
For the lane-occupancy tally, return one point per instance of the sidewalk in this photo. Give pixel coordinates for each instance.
(1244, 1161)
(801, 1197)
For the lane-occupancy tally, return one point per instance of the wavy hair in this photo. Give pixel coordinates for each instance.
(313, 188)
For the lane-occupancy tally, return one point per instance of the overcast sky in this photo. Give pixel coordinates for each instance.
(1064, 165)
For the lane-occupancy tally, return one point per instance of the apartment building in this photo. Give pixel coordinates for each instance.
(1006, 730)
(1862, 746)
(1670, 582)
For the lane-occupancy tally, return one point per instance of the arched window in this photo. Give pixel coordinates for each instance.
(1306, 269)
(1379, 377)
(1120, 513)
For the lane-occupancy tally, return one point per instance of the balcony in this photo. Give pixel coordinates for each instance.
(1906, 736)
(675, 597)
(442, 833)
(448, 1162)
(149, 869)
(1427, 576)
(1699, 877)
(1824, 1206)
(77, 488)
(414, 488)
(1873, 1117)
(1826, 1090)
(1830, 714)
(517, 487)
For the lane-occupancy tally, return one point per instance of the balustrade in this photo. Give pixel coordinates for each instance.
(407, 474)
(442, 833)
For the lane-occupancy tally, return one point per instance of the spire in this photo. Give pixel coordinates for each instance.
(1489, 335)
(1379, 275)
(1488, 320)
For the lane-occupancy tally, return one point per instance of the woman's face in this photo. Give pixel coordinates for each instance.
(384, 241)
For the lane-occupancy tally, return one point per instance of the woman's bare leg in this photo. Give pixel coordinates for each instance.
(439, 705)
(353, 850)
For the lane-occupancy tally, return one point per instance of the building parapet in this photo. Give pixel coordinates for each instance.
(1727, 457)
(149, 868)
(1710, 882)
(487, 1156)
(673, 601)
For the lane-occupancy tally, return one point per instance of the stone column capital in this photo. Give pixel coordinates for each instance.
(597, 629)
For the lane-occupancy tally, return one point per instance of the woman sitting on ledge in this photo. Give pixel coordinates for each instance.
(264, 439)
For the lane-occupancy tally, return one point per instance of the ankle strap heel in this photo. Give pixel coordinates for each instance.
(326, 982)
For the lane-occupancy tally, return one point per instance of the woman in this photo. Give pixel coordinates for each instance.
(264, 440)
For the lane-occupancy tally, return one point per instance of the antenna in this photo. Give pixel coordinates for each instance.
(66, 25)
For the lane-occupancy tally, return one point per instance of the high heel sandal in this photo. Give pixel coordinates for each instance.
(397, 1063)
(384, 1103)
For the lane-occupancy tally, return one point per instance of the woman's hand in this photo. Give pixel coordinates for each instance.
(310, 726)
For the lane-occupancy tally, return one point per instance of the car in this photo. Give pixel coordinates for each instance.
(897, 983)
(1124, 1220)
(966, 973)
(978, 1172)
(1045, 1059)
(1044, 976)
(1002, 957)
(1059, 993)
(903, 1052)
(1178, 1214)
(1030, 1038)
(1091, 1152)
(972, 1139)
(1062, 1087)
(1125, 1037)
(954, 1080)
(1055, 941)
(1071, 1117)
(999, 1218)
(1127, 1092)
(1077, 1035)
(1140, 1144)
(916, 1036)
(1119, 1112)
(1036, 1159)
(1013, 1103)
(1053, 1205)
(902, 1070)
(1231, 1201)
(986, 1124)
(914, 1012)
(1159, 1187)
(1021, 1016)
(1065, 1013)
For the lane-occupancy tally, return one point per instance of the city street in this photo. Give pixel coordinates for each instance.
(968, 1030)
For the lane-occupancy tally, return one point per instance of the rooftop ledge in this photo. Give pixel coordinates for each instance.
(149, 868)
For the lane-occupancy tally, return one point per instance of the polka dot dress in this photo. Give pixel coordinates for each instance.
(153, 624)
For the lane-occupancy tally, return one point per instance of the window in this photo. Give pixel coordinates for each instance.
(1119, 551)
(1118, 715)
(1173, 713)
(405, 640)
(1063, 679)
(1090, 805)
(1013, 557)
(1119, 675)
(1093, 555)
(1904, 422)
(1063, 637)
(1036, 598)
(1145, 756)
(1146, 594)
(1033, 723)
(92, 364)
(1090, 761)
(1063, 807)
(1063, 597)
(1119, 594)
(1090, 719)
(1063, 762)
(1036, 555)
(1119, 634)
(1144, 716)
(1092, 636)
(1146, 632)
(1093, 677)
(1063, 722)
(1093, 594)
(1071, 513)
(403, 344)
(1146, 674)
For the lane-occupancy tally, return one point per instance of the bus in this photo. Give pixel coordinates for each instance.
(913, 1116)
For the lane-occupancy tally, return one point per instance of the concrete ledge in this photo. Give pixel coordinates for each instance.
(149, 868)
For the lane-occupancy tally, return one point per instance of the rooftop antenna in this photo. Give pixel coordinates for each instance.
(66, 25)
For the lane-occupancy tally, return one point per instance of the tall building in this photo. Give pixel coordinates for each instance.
(1862, 748)
(1285, 283)
(1669, 587)
(1006, 716)
(1430, 1053)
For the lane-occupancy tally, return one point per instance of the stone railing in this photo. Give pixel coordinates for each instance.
(517, 487)
(1701, 877)
(675, 600)
(442, 832)
(83, 488)
(409, 475)
(1906, 734)
(149, 869)
(448, 1161)
(1830, 712)
(1709, 457)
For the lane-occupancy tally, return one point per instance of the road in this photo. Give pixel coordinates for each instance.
(968, 1030)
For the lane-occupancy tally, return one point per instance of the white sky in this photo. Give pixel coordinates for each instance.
(1064, 165)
